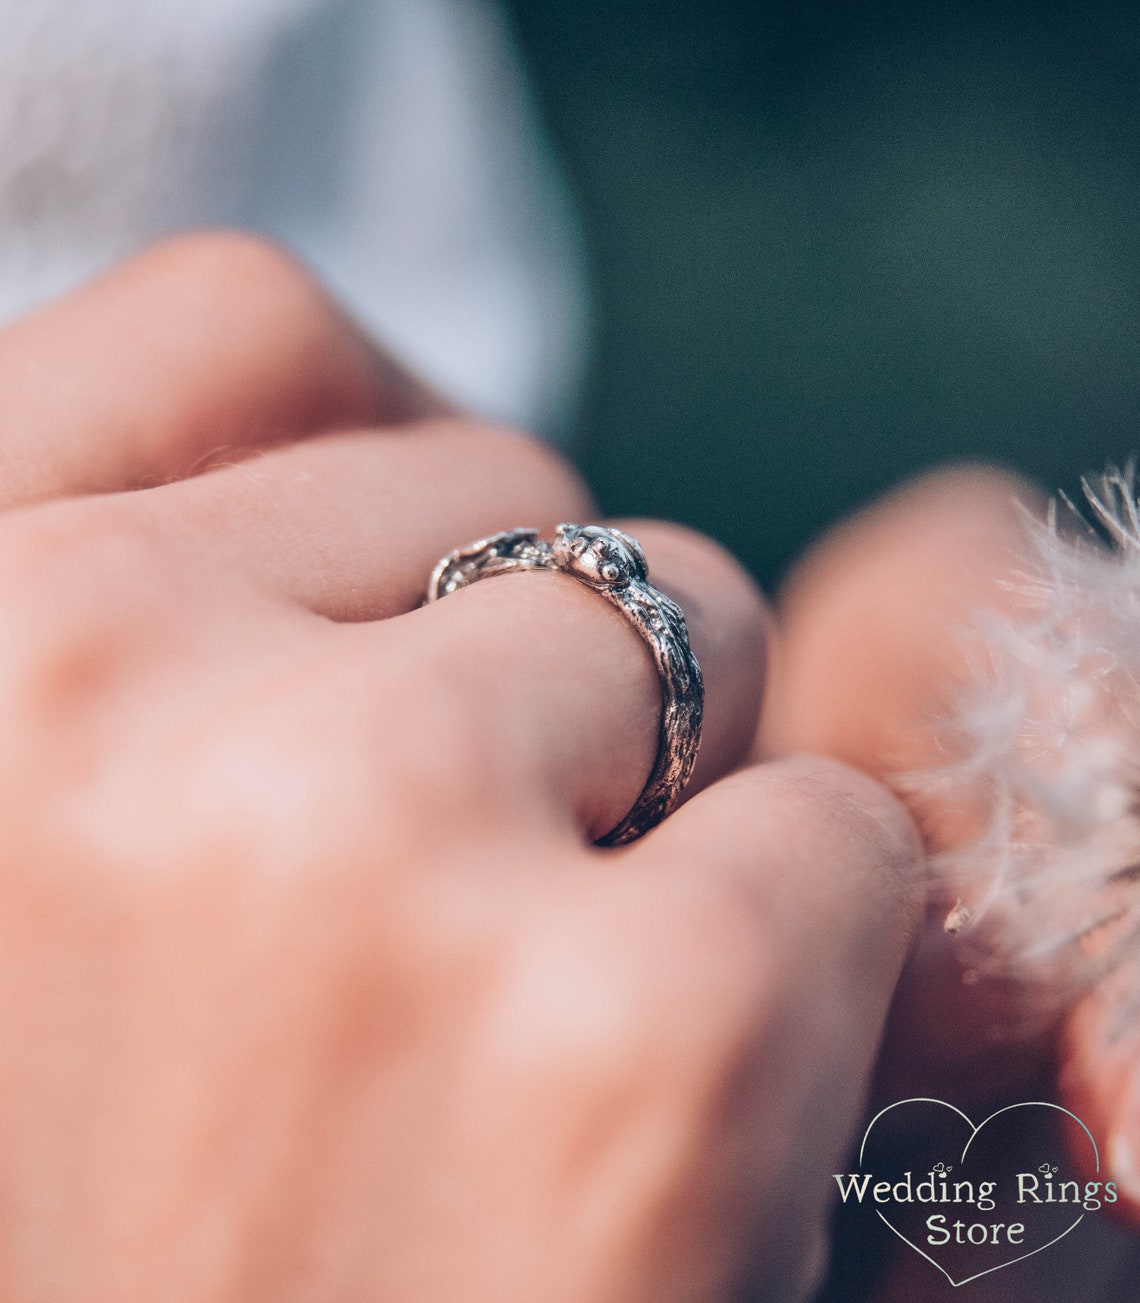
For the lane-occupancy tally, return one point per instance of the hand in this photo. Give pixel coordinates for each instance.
(871, 654)
(312, 983)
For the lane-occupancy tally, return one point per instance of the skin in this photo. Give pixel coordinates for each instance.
(312, 985)
(869, 656)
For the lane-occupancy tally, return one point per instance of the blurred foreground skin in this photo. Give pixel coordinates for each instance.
(312, 984)
(871, 660)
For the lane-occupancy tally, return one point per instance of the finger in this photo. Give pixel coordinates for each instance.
(872, 655)
(351, 525)
(563, 694)
(872, 623)
(709, 999)
(822, 860)
(204, 346)
(803, 882)
(567, 693)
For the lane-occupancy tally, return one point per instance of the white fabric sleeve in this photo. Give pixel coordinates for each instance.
(391, 142)
(398, 152)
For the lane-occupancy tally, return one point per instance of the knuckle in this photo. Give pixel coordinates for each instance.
(642, 1003)
(235, 260)
(81, 587)
(242, 804)
(259, 297)
(569, 1017)
(307, 772)
(617, 1040)
(253, 794)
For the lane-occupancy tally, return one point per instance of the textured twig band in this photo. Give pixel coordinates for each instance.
(612, 564)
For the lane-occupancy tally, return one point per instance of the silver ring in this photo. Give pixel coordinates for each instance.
(612, 564)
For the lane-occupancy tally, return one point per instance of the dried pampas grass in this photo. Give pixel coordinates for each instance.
(1045, 745)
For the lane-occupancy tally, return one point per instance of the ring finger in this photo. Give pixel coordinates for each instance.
(349, 526)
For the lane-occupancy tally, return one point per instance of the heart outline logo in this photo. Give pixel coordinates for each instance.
(974, 1130)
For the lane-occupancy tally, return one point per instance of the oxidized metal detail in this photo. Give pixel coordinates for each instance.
(613, 564)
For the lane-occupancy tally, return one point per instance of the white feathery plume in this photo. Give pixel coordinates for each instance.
(1047, 739)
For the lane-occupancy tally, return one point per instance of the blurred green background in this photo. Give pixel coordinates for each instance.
(833, 244)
